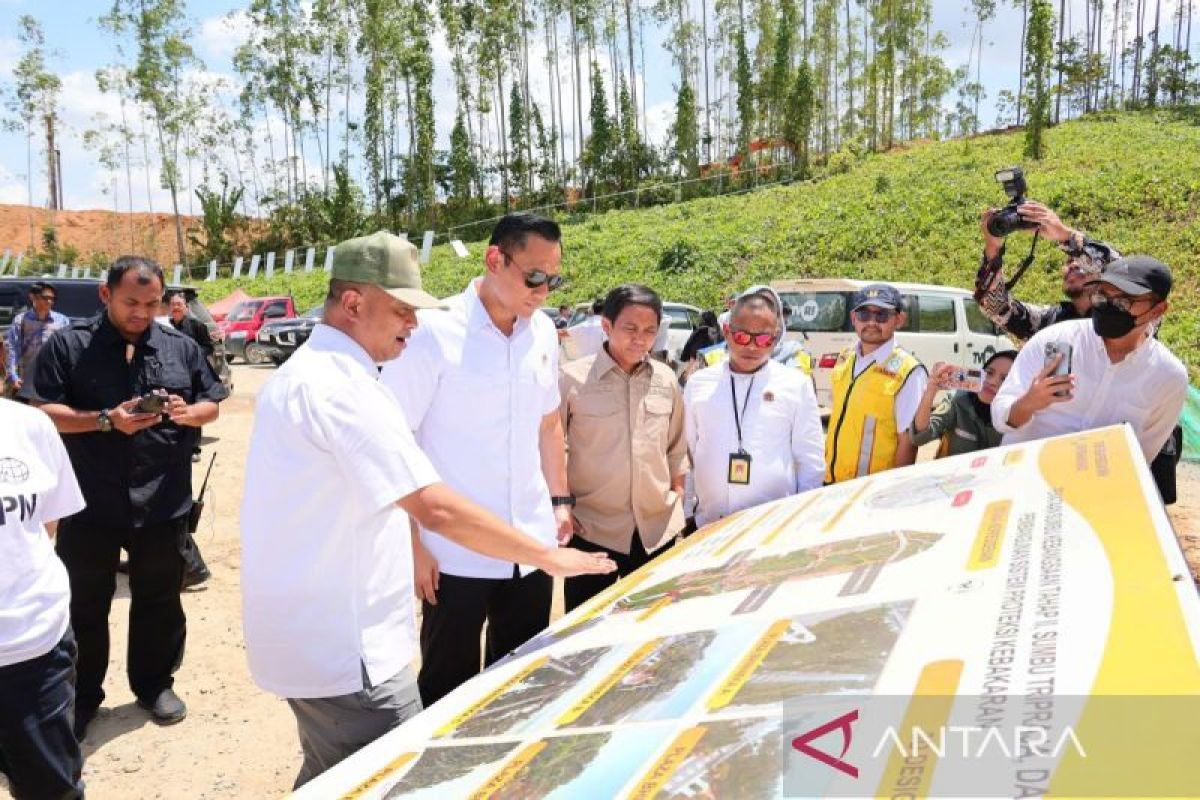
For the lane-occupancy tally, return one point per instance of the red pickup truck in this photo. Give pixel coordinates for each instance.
(240, 327)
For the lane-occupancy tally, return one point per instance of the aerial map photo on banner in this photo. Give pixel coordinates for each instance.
(968, 627)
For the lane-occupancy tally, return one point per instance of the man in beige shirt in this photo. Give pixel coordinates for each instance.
(627, 455)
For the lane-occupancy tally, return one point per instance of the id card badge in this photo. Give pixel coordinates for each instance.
(739, 468)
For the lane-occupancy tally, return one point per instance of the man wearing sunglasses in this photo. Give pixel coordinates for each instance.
(1118, 371)
(479, 387)
(29, 331)
(877, 387)
(752, 424)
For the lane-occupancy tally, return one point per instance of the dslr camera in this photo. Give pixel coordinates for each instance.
(153, 402)
(1006, 220)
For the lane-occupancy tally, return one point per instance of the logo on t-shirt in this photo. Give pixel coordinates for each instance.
(22, 504)
(13, 471)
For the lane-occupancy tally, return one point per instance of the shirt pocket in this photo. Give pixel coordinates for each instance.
(599, 404)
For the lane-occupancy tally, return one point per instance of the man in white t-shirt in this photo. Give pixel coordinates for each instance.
(332, 475)
(38, 749)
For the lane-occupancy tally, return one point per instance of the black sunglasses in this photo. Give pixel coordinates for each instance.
(537, 278)
(49, 298)
(878, 314)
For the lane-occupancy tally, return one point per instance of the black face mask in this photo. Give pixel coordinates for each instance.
(1110, 322)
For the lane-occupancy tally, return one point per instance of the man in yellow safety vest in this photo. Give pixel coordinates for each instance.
(876, 389)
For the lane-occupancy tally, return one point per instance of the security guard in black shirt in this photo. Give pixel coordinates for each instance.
(102, 382)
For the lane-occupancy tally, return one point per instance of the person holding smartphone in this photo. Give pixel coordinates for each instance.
(1119, 373)
(963, 417)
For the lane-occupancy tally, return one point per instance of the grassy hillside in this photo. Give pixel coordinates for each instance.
(1130, 179)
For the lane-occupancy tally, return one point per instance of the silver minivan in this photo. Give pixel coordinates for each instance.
(944, 324)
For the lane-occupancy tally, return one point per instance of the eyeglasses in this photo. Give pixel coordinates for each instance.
(743, 338)
(537, 278)
(878, 314)
(49, 298)
(1121, 301)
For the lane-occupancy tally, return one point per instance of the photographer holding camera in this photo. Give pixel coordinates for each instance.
(128, 397)
(1086, 258)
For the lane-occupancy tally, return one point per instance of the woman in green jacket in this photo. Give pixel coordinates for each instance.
(962, 420)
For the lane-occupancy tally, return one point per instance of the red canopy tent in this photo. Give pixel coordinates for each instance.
(223, 306)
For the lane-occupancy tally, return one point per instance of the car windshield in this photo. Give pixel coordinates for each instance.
(317, 312)
(677, 318)
(816, 312)
(244, 311)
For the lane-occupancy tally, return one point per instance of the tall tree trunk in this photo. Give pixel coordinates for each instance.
(707, 102)
(528, 188)
(1021, 62)
(850, 72)
(1062, 22)
(577, 139)
(562, 131)
(633, 90)
(1139, 41)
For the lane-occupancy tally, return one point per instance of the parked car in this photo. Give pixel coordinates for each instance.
(79, 298)
(281, 337)
(944, 324)
(242, 324)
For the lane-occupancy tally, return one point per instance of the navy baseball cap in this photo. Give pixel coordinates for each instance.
(877, 294)
(1138, 275)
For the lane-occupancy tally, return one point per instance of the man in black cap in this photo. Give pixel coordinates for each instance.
(1118, 372)
(876, 389)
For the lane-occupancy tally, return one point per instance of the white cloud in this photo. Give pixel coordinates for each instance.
(217, 38)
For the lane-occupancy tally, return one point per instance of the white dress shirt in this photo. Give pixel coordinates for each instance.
(587, 338)
(327, 572)
(781, 430)
(909, 396)
(1147, 389)
(475, 399)
(37, 485)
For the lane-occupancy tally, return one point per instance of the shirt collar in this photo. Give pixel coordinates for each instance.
(108, 334)
(605, 363)
(478, 316)
(879, 354)
(330, 340)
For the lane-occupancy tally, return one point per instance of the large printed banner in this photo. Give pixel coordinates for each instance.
(1018, 622)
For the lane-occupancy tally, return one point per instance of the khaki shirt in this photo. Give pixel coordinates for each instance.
(625, 442)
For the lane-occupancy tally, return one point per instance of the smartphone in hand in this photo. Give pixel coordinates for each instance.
(963, 378)
(1053, 349)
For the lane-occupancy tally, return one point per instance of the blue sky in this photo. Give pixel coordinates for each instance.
(80, 48)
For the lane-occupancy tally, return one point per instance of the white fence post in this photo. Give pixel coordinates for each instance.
(4, 263)
(62, 270)
(254, 265)
(17, 264)
(270, 264)
(308, 259)
(459, 248)
(426, 247)
(237, 267)
(74, 272)
(329, 259)
(289, 258)
(212, 270)
(178, 276)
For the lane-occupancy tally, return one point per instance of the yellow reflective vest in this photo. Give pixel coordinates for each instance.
(862, 436)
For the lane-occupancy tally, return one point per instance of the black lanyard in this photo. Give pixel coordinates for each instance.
(737, 420)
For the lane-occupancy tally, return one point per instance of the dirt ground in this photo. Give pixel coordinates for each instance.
(238, 741)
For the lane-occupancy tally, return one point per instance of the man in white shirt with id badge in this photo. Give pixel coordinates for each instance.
(752, 424)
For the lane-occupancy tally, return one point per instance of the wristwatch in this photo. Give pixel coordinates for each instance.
(562, 500)
(104, 422)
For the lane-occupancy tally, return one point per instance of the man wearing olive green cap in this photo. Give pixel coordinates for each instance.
(332, 475)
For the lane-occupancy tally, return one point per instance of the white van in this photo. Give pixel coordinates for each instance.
(944, 324)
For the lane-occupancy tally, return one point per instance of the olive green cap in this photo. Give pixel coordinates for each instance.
(387, 261)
